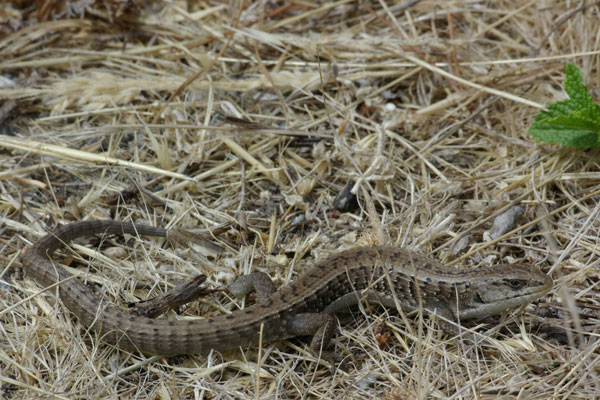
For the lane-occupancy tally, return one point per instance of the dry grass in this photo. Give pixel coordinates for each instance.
(425, 108)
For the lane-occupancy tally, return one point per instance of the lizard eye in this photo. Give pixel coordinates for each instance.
(515, 283)
(478, 299)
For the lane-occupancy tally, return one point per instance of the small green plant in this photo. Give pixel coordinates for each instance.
(573, 122)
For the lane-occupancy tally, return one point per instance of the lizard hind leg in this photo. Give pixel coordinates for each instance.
(321, 326)
(258, 282)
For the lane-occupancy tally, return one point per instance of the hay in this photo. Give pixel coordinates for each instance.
(244, 121)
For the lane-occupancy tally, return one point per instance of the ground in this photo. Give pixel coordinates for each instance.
(283, 132)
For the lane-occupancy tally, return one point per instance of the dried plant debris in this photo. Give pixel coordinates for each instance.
(278, 133)
(346, 200)
(506, 221)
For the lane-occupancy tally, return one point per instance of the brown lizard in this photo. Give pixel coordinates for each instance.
(388, 275)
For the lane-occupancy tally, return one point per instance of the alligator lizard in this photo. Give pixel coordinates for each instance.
(391, 276)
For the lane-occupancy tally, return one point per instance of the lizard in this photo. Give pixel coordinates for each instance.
(391, 276)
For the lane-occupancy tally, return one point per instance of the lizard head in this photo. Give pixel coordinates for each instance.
(506, 286)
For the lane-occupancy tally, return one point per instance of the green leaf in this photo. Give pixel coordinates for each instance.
(573, 122)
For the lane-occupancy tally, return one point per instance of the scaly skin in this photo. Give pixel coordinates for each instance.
(304, 307)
